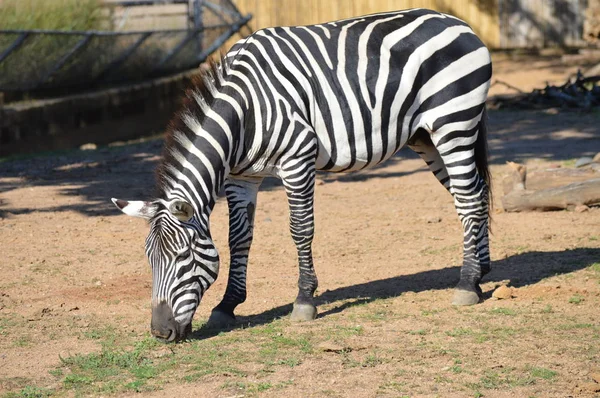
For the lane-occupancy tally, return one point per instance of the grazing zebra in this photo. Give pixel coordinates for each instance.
(289, 101)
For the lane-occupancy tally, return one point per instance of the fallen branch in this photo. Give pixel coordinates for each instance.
(580, 93)
(519, 198)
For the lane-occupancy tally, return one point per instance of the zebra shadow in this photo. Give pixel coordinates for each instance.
(521, 270)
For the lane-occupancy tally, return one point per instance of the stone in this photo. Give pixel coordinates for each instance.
(503, 293)
(584, 161)
(596, 158)
(596, 376)
(581, 208)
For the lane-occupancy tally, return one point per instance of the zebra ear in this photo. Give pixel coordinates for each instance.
(136, 208)
(183, 211)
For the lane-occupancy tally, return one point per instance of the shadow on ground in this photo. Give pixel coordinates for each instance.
(127, 171)
(522, 270)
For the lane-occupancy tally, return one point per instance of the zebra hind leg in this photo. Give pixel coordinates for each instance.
(464, 166)
(241, 200)
(299, 182)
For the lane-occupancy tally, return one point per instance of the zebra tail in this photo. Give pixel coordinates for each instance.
(481, 158)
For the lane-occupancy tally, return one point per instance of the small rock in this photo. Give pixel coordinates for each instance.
(98, 283)
(581, 208)
(88, 147)
(503, 293)
(596, 376)
(584, 161)
(434, 220)
(596, 158)
(595, 167)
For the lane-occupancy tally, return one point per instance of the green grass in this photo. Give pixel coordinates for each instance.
(31, 392)
(112, 369)
(503, 311)
(576, 299)
(55, 14)
(29, 62)
(123, 365)
(542, 373)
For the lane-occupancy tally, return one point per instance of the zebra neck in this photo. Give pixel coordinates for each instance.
(199, 154)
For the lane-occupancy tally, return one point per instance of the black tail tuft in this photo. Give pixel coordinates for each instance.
(481, 157)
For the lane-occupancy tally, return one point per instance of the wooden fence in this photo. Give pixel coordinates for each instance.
(499, 23)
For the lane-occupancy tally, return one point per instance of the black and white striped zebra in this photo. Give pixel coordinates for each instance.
(289, 101)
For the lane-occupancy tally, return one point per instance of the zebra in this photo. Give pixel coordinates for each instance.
(291, 101)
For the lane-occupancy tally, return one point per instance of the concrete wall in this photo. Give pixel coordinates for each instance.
(101, 117)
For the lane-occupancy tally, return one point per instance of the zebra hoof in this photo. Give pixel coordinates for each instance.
(303, 312)
(220, 320)
(465, 297)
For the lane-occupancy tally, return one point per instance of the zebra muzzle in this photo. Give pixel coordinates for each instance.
(163, 326)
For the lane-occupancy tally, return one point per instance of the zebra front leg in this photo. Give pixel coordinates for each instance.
(241, 200)
(299, 183)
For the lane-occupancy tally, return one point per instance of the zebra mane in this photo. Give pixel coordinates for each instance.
(196, 102)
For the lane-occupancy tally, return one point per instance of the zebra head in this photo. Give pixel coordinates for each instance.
(184, 262)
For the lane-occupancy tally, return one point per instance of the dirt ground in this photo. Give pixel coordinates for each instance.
(74, 282)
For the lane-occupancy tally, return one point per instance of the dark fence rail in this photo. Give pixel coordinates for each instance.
(39, 61)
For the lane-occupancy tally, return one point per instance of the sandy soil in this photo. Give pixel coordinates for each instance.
(388, 241)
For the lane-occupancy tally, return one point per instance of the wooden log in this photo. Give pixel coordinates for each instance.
(547, 178)
(520, 198)
(572, 195)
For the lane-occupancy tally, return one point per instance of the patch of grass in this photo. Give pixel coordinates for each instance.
(248, 387)
(542, 373)
(547, 309)
(31, 392)
(567, 326)
(493, 380)
(459, 332)
(503, 311)
(432, 312)
(113, 369)
(22, 341)
(291, 362)
(420, 332)
(394, 386)
(576, 299)
(107, 333)
(371, 361)
(347, 331)
(377, 315)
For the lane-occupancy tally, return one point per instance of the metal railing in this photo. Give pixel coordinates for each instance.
(49, 60)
